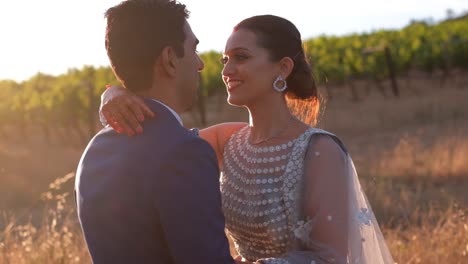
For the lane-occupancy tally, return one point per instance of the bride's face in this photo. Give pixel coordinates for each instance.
(248, 71)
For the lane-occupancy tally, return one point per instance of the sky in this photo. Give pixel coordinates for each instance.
(51, 36)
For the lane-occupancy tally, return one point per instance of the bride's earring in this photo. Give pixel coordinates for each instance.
(280, 84)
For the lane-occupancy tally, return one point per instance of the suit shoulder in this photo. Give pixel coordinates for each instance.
(193, 144)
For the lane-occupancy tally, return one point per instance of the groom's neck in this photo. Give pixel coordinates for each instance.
(164, 95)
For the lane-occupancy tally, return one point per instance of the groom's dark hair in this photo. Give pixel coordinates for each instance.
(137, 32)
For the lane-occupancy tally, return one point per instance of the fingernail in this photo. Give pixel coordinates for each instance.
(141, 118)
(139, 130)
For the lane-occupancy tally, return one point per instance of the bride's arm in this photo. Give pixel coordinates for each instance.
(124, 111)
(325, 196)
(322, 233)
(338, 224)
(218, 135)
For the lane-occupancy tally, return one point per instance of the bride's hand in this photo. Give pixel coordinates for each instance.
(123, 110)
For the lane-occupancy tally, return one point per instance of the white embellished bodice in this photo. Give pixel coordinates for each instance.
(260, 188)
(298, 203)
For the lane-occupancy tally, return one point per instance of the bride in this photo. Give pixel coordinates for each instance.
(290, 191)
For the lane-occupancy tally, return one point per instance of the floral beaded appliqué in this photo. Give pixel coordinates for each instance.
(302, 231)
(364, 217)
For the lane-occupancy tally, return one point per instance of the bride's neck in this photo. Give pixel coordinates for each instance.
(268, 119)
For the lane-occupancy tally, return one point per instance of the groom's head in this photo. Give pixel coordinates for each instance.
(152, 49)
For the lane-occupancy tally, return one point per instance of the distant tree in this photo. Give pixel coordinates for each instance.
(211, 74)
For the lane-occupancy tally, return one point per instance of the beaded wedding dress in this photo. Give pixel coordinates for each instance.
(279, 204)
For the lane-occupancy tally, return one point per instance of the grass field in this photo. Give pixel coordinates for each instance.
(411, 153)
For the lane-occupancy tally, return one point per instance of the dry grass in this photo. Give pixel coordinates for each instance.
(56, 239)
(444, 241)
(410, 152)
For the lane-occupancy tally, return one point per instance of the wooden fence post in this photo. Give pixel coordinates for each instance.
(391, 71)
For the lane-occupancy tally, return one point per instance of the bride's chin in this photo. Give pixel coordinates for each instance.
(234, 101)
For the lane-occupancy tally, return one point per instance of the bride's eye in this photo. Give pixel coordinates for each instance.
(224, 60)
(241, 57)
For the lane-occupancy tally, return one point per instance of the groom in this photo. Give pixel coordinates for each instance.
(152, 198)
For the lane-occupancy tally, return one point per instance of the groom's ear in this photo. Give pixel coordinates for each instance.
(168, 61)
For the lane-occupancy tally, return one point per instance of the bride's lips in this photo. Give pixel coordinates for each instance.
(233, 84)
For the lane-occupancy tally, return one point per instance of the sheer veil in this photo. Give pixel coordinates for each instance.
(335, 222)
(365, 241)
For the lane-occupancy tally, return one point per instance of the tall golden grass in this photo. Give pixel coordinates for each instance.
(56, 239)
(410, 152)
(421, 222)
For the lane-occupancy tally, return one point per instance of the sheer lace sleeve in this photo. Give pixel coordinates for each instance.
(102, 119)
(104, 98)
(112, 92)
(337, 224)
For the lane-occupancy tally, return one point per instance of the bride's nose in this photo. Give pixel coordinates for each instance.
(201, 64)
(228, 69)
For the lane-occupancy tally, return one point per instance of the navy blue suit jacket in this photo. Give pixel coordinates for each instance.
(151, 198)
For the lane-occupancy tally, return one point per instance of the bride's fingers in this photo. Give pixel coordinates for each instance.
(112, 122)
(130, 119)
(115, 126)
(135, 107)
(144, 108)
(120, 121)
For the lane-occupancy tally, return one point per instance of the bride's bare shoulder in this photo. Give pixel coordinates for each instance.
(327, 144)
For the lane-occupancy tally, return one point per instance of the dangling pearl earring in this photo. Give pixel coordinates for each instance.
(280, 84)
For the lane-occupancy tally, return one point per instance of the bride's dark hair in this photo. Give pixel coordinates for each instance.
(282, 39)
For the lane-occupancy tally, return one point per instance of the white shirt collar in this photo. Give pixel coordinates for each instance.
(177, 116)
